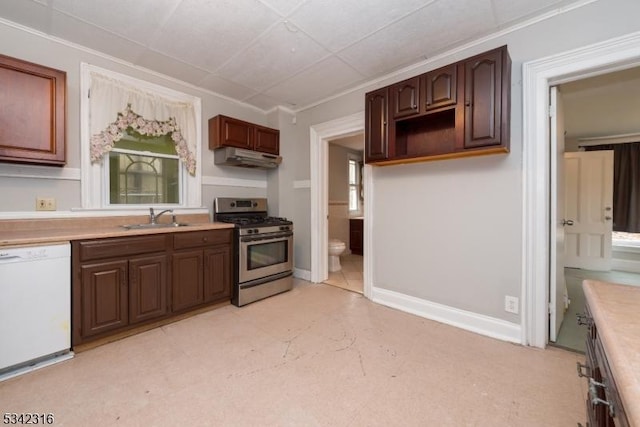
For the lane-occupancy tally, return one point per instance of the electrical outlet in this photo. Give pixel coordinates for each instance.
(511, 304)
(45, 204)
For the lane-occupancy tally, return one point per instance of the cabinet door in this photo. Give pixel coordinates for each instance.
(103, 297)
(147, 288)
(217, 274)
(405, 98)
(483, 100)
(32, 113)
(267, 140)
(355, 236)
(439, 88)
(186, 280)
(376, 126)
(234, 133)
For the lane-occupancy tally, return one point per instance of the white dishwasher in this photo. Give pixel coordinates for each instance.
(35, 307)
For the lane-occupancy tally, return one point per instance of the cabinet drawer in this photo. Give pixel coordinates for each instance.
(196, 239)
(121, 247)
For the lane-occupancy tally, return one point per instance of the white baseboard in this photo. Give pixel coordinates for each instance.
(302, 274)
(478, 323)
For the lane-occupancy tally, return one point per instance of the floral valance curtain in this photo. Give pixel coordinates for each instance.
(115, 105)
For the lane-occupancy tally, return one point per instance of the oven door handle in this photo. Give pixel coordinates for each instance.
(279, 236)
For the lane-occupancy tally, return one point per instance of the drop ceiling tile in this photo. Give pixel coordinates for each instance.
(436, 28)
(509, 11)
(264, 102)
(225, 87)
(136, 20)
(283, 7)
(282, 51)
(26, 12)
(320, 81)
(170, 67)
(79, 32)
(338, 23)
(207, 33)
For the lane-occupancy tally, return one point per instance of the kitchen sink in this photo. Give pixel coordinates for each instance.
(152, 226)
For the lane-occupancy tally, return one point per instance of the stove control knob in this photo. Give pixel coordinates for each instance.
(284, 227)
(233, 204)
(249, 231)
(255, 230)
(255, 204)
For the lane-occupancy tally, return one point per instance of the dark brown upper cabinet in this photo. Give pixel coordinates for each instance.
(486, 110)
(458, 110)
(405, 98)
(229, 132)
(376, 125)
(439, 88)
(32, 113)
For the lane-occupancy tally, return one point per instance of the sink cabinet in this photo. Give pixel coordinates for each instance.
(459, 110)
(122, 283)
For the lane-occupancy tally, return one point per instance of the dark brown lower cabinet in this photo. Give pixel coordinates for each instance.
(148, 288)
(217, 274)
(104, 299)
(604, 405)
(356, 228)
(187, 277)
(125, 282)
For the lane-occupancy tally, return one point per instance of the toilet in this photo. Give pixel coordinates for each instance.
(336, 247)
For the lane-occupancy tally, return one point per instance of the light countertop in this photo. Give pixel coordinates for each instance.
(616, 311)
(46, 231)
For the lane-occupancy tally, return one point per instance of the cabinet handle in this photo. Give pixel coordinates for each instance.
(579, 366)
(595, 400)
(467, 104)
(205, 240)
(584, 320)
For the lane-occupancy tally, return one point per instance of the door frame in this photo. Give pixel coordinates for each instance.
(320, 135)
(537, 76)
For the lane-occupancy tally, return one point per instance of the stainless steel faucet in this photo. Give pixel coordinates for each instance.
(153, 217)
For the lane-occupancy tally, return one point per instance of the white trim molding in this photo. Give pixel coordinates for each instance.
(474, 322)
(39, 172)
(306, 183)
(302, 274)
(319, 151)
(233, 182)
(537, 76)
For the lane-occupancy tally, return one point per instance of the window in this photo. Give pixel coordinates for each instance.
(144, 170)
(140, 143)
(354, 186)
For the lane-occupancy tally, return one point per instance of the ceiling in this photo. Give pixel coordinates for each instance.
(292, 53)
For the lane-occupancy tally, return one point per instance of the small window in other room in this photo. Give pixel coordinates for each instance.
(144, 170)
(354, 185)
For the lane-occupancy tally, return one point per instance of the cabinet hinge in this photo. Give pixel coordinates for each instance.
(552, 110)
(550, 308)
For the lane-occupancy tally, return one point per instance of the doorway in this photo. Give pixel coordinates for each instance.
(538, 76)
(320, 136)
(346, 212)
(597, 112)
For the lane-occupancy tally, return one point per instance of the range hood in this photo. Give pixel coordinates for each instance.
(232, 156)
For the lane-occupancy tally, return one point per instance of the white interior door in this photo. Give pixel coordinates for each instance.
(589, 205)
(557, 286)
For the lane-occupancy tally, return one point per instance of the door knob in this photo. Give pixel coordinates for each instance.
(567, 222)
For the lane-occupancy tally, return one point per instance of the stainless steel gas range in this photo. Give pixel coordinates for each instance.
(263, 259)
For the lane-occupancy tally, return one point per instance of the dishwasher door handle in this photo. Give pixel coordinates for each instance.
(7, 257)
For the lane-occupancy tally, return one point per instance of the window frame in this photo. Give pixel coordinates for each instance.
(94, 176)
(356, 185)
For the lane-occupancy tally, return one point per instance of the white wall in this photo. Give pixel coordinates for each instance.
(450, 232)
(18, 193)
